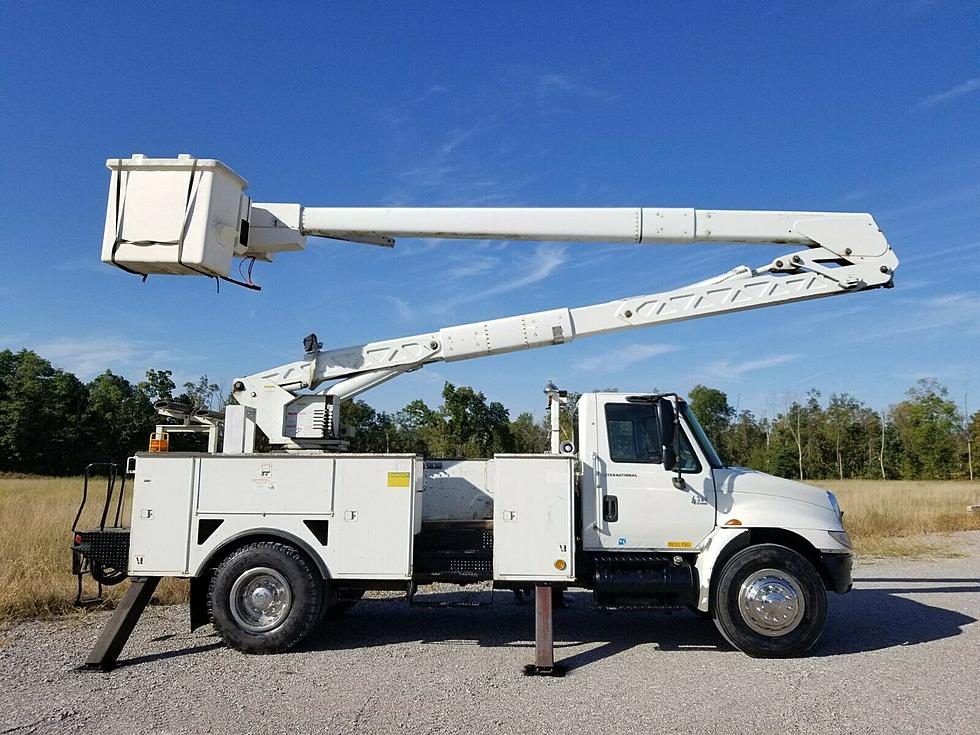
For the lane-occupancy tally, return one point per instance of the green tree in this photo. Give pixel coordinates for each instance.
(746, 442)
(714, 413)
(471, 426)
(199, 395)
(41, 416)
(854, 435)
(118, 418)
(972, 440)
(530, 437)
(373, 430)
(927, 422)
(158, 385)
(417, 429)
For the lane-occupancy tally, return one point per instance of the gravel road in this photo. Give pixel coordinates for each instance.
(901, 653)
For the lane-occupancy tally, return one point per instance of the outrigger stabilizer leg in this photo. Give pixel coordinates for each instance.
(117, 631)
(544, 639)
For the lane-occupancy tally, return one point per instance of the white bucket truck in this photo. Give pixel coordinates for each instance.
(643, 512)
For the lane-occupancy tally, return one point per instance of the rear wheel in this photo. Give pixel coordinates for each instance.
(265, 598)
(771, 602)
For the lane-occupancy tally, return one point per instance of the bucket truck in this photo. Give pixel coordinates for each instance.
(643, 512)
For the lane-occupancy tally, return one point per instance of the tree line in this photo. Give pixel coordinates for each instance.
(925, 436)
(53, 423)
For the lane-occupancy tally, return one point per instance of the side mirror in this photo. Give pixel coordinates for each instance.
(667, 421)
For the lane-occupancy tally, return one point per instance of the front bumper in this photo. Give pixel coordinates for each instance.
(837, 571)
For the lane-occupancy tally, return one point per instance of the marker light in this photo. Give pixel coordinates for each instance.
(560, 565)
(733, 522)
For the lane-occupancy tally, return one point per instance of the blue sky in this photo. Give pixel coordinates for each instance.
(866, 106)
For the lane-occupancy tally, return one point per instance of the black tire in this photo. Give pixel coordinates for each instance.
(279, 575)
(791, 630)
(107, 576)
(348, 598)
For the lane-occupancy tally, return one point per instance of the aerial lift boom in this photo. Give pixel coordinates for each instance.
(210, 220)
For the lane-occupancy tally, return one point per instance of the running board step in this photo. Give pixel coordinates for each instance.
(469, 596)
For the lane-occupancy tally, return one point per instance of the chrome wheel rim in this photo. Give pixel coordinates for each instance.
(771, 602)
(260, 600)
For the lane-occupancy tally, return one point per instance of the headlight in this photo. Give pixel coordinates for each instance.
(835, 505)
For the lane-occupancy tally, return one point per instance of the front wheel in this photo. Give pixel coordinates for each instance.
(770, 602)
(265, 598)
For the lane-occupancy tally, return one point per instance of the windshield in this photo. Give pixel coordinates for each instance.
(709, 451)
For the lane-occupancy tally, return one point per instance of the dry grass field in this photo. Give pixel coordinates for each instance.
(36, 514)
(885, 518)
(889, 518)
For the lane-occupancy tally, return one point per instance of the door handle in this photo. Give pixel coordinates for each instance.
(598, 491)
(610, 509)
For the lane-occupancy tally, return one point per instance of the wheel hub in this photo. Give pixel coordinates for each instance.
(771, 602)
(260, 600)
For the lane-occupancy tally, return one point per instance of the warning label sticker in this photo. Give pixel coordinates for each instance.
(680, 545)
(399, 479)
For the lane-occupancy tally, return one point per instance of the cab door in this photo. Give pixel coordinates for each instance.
(634, 504)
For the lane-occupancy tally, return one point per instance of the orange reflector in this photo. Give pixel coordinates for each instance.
(733, 522)
(560, 565)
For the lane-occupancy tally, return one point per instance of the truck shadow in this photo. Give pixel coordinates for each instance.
(866, 619)
(874, 619)
(863, 620)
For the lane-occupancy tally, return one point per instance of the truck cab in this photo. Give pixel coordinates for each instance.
(665, 522)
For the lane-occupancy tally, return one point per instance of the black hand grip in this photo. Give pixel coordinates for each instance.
(610, 508)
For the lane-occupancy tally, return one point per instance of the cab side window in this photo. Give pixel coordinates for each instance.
(634, 436)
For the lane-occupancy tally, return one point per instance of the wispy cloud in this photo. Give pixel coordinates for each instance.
(960, 310)
(472, 265)
(532, 268)
(402, 308)
(970, 85)
(544, 261)
(967, 248)
(448, 173)
(87, 357)
(725, 369)
(855, 195)
(559, 83)
(620, 359)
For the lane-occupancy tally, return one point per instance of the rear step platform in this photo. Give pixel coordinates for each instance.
(101, 552)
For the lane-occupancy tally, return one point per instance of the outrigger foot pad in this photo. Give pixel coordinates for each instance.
(535, 670)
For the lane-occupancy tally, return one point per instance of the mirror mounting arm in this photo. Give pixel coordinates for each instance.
(678, 479)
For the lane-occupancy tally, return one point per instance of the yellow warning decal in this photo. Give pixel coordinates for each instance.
(399, 479)
(680, 545)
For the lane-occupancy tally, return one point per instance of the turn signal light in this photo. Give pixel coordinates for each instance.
(733, 522)
(560, 565)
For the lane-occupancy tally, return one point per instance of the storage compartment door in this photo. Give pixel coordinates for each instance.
(533, 537)
(162, 493)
